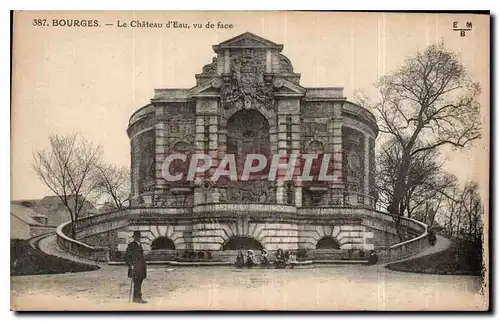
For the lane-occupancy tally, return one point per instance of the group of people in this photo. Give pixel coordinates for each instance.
(282, 259)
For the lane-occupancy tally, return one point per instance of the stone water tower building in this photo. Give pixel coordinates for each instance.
(247, 100)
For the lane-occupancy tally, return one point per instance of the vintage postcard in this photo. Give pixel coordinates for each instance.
(322, 161)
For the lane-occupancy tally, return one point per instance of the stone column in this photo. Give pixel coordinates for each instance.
(268, 61)
(199, 196)
(336, 149)
(295, 143)
(280, 192)
(366, 154)
(160, 147)
(288, 134)
(213, 146)
(134, 171)
(282, 151)
(227, 62)
(222, 139)
(206, 140)
(336, 133)
(298, 194)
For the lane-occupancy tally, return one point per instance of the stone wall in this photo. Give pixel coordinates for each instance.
(213, 236)
(149, 233)
(108, 239)
(348, 236)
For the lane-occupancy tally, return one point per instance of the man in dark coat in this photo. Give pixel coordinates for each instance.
(134, 257)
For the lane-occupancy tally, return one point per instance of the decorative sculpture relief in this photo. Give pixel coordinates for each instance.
(144, 154)
(250, 192)
(285, 65)
(180, 130)
(313, 132)
(353, 154)
(246, 42)
(210, 68)
(246, 86)
(372, 166)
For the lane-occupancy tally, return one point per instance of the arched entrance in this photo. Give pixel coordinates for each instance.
(327, 242)
(162, 243)
(242, 243)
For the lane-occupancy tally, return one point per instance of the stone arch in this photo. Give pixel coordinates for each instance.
(162, 243)
(247, 131)
(248, 125)
(326, 231)
(327, 242)
(243, 228)
(270, 115)
(168, 231)
(242, 243)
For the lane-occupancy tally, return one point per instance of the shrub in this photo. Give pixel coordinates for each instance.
(301, 254)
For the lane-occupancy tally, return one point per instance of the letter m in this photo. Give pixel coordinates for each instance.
(468, 24)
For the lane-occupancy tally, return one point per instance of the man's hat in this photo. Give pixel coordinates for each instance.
(137, 233)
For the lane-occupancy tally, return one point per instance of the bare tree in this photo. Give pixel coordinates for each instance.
(113, 182)
(66, 167)
(426, 180)
(453, 210)
(471, 203)
(427, 103)
(462, 214)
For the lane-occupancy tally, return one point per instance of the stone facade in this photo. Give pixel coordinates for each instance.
(249, 100)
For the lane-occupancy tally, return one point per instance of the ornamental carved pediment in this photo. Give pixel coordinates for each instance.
(248, 39)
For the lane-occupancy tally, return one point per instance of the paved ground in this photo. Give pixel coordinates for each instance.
(322, 288)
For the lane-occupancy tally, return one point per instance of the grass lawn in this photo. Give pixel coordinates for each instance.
(461, 258)
(27, 259)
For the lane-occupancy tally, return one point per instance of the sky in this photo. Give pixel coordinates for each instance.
(91, 79)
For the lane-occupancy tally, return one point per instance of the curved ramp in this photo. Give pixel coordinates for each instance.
(442, 244)
(49, 246)
(41, 257)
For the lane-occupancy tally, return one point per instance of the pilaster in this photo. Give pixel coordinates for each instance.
(366, 159)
